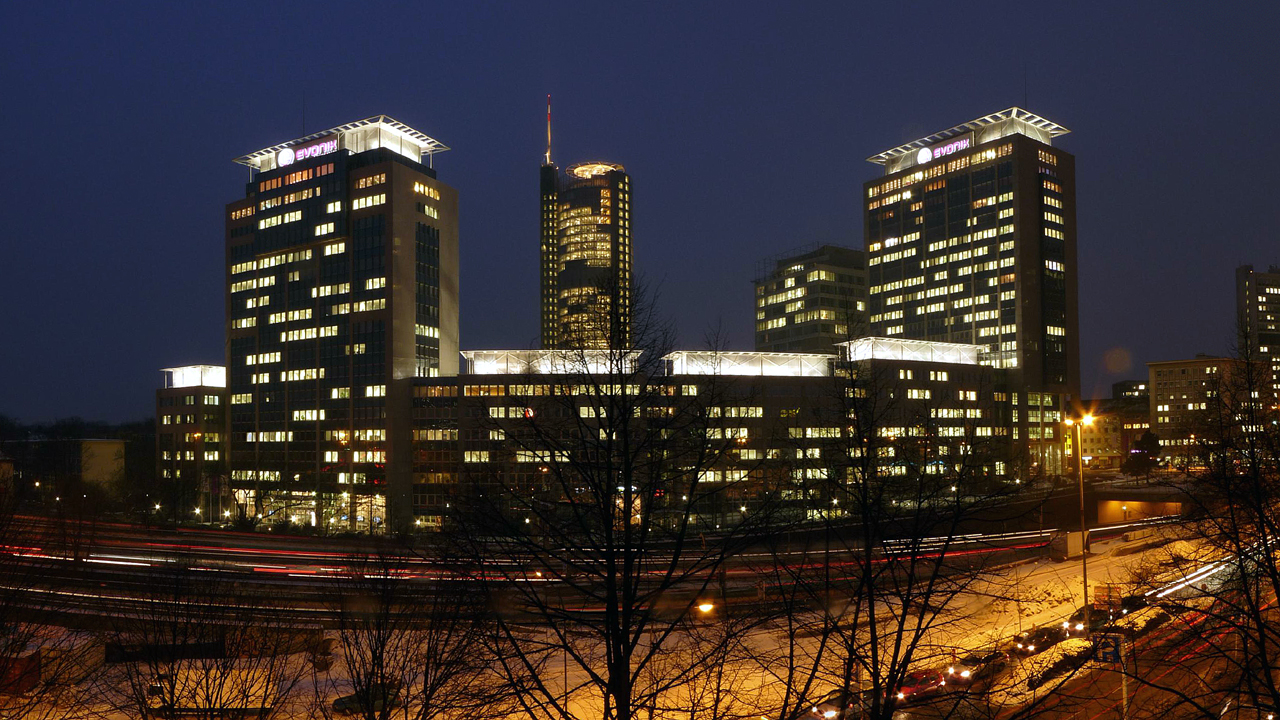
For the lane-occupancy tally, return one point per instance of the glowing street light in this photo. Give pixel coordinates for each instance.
(1078, 450)
(706, 607)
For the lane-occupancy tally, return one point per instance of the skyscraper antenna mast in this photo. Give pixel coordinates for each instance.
(548, 128)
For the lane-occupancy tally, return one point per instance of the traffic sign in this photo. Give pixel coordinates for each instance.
(1108, 647)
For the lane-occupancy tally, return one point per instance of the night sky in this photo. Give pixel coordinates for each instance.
(744, 127)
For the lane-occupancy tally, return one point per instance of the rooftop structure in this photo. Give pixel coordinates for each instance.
(368, 134)
(755, 364)
(882, 348)
(593, 169)
(548, 362)
(1015, 120)
(195, 376)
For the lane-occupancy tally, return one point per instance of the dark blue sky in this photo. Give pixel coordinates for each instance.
(744, 126)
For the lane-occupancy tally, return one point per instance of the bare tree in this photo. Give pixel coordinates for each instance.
(41, 663)
(200, 642)
(898, 490)
(411, 641)
(604, 524)
(1216, 586)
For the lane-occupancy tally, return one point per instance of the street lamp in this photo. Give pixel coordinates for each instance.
(1078, 425)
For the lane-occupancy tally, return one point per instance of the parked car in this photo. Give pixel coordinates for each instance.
(1099, 617)
(920, 684)
(1031, 642)
(975, 666)
(1129, 603)
(847, 705)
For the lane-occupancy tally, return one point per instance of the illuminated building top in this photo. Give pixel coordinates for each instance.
(195, 376)
(759, 364)
(1014, 121)
(883, 348)
(549, 362)
(592, 169)
(368, 134)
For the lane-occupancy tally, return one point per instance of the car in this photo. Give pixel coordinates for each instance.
(1031, 642)
(372, 699)
(975, 666)
(920, 684)
(847, 705)
(1099, 617)
(1129, 603)
(839, 704)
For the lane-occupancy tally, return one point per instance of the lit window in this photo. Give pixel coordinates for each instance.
(368, 201)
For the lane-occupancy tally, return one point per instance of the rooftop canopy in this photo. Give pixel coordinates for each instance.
(1013, 121)
(359, 136)
(882, 348)
(692, 362)
(549, 362)
(195, 376)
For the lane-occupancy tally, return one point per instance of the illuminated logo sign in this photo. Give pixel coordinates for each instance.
(937, 151)
(289, 156)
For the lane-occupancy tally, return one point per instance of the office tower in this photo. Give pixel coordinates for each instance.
(191, 443)
(342, 287)
(585, 255)
(1257, 319)
(811, 298)
(971, 238)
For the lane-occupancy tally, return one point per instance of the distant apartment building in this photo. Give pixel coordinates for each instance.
(191, 443)
(1258, 319)
(1118, 422)
(1183, 394)
(809, 299)
(342, 290)
(971, 238)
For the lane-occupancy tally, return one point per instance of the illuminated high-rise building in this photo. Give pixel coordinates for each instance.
(811, 298)
(585, 255)
(342, 288)
(1258, 319)
(971, 238)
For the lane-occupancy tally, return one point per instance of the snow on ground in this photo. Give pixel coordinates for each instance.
(1037, 675)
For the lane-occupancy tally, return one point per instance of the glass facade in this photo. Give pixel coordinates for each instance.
(586, 257)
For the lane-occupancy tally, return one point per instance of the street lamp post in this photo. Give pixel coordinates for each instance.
(1078, 425)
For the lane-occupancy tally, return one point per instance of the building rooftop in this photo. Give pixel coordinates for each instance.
(759, 364)
(359, 136)
(883, 348)
(548, 362)
(986, 128)
(195, 376)
(593, 169)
